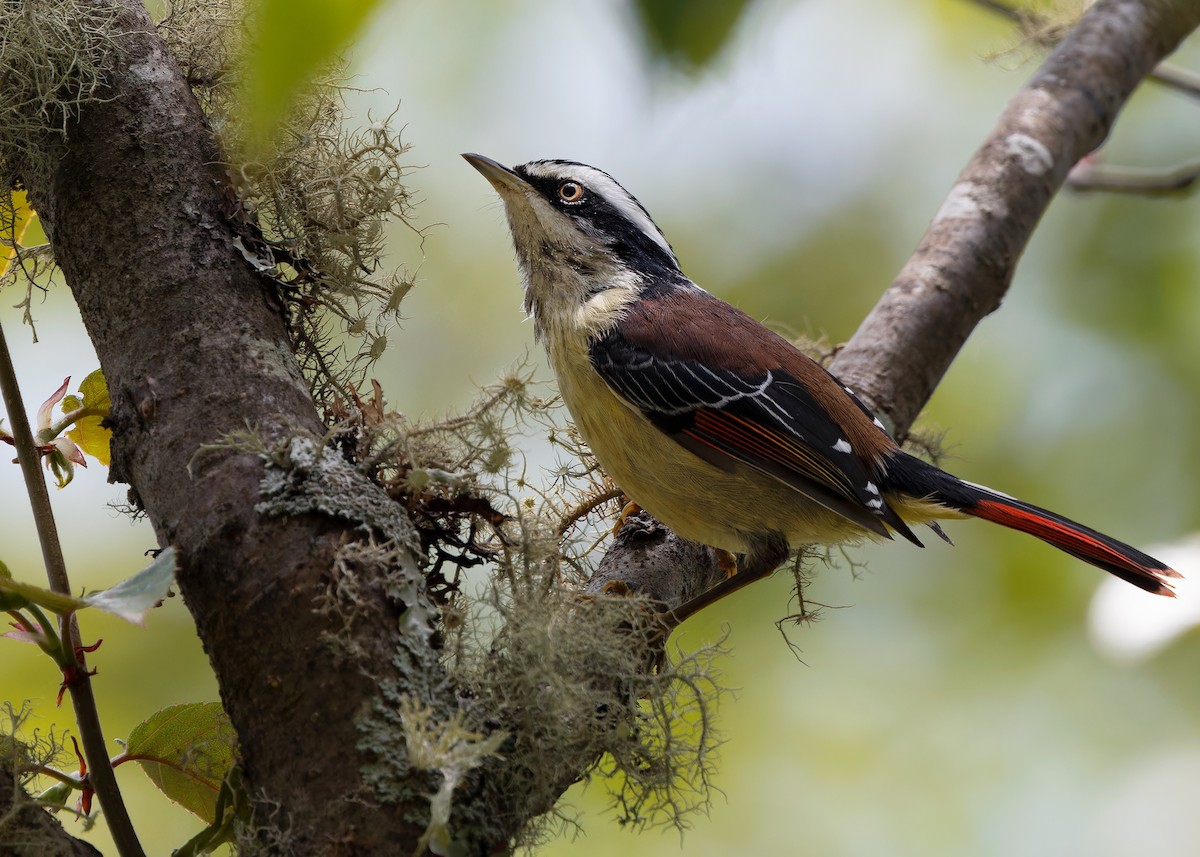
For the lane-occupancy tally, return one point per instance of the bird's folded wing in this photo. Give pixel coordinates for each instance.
(768, 422)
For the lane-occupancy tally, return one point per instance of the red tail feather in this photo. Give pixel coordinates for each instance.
(1125, 562)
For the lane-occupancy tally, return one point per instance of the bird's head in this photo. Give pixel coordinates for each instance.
(585, 245)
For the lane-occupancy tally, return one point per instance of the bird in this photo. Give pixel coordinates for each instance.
(716, 425)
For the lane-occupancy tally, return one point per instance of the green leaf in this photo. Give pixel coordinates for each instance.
(56, 796)
(87, 432)
(187, 751)
(232, 805)
(131, 599)
(295, 40)
(689, 33)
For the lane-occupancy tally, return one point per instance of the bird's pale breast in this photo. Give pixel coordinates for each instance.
(694, 498)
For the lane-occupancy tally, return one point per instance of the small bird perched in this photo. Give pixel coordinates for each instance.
(717, 426)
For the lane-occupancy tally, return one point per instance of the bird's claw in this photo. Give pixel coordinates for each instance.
(727, 562)
(628, 511)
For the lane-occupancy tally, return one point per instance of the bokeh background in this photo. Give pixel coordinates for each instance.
(951, 701)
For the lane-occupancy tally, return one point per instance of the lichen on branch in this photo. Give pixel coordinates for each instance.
(54, 58)
(311, 207)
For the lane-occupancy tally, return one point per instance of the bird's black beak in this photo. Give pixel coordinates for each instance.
(501, 177)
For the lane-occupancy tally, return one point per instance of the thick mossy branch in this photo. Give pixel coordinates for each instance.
(532, 662)
(572, 673)
(531, 657)
(309, 477)
(450, 749)
(348, 628)
(556, 668)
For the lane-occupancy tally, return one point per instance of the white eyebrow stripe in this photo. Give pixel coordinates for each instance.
(605, 186)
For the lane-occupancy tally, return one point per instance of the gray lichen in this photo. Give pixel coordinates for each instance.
(22, 829)
(54, 58)
(53, 61)
(314, 204)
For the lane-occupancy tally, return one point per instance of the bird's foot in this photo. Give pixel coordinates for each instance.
(727, 562)
(630, 509)
(617, 589)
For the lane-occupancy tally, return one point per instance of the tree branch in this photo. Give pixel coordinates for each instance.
(965, 262)
(1089, 176)
(1182, 80)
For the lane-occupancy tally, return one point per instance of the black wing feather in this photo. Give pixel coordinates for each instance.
(769, 422)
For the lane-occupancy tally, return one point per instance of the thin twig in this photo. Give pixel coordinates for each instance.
(585, 507)
(1180, 79)
(87, 717)
(1133, 180)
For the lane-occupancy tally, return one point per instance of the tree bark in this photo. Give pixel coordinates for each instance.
(194, 346)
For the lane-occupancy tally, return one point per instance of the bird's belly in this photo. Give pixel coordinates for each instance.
(697, 500)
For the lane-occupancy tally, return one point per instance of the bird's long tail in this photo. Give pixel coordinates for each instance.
(1126, 562)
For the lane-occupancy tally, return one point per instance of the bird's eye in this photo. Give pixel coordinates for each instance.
(570, 191)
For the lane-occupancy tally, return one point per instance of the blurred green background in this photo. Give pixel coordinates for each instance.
(956, 702)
